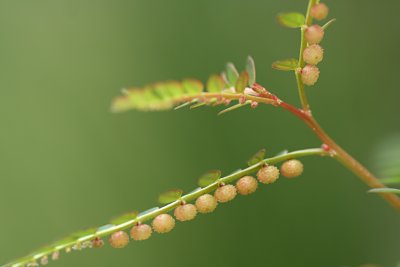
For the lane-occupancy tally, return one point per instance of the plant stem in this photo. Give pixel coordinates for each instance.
(341, 155)
(148, 215)
(300, 65)
(305, 114)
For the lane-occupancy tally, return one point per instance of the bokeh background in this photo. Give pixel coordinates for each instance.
(67, 163)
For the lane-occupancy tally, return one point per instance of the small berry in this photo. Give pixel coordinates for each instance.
(254, 104)
(319, 11)
(44, 260)
(185, 212)
(119, 239)
(268, 174)
(55, 256)
(163, 223)
(97, 242)
(206, 203)
(292, 168)
(141, 232)
(246, 185)
(313, 54)
(309, 75)
(314, 34)
(225, 193)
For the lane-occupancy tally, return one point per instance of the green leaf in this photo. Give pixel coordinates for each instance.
(393, 180)
(256, 158)
(170, 196)
(232, 108)
(242, 82)
(285, 65)
(105, 227)
(209, 178)
(185, 104)
(291, 19)
(192, 86)
(125, 217)
(231, 74)
(326, 25)
(283, 152)
(385, 159)
(198, 105)
(385, 190)
(86, 232)
(251, 70)
(215, 84)
(143, 213)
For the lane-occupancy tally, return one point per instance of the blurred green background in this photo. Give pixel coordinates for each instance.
(67, 163)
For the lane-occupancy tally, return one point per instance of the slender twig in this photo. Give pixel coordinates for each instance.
(300, 65)
(145, 216)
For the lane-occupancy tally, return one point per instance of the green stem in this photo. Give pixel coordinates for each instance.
(300, 65)
(167, 208)
(306, 115)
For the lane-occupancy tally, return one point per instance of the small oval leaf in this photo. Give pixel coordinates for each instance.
(170, 196)
(192, 86)
(143, 213)
(291, 19)
(231, 74)
(285, 65)
(209, 178)
(234, 107)
(385, 190)
(125, 217)
(215, 84)
(242, 82)
(251, 70)
(283, 152)
(256, 158)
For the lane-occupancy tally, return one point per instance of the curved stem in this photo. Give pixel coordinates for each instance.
(341, 155)
(150, 214)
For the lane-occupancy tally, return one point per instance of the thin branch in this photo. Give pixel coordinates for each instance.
(167, 208)
(303, 44)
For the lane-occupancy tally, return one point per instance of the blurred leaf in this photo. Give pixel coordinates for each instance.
(209, 178)
(242, 82)
(234, 107)
(148, 211)
(385, 190)
(326, 25)
(125, 217)
(104, 227)
(215, 84)
(195, 190)
(285, 65)
(251, 70)
(386, 159)
(184, 105)
(283, 152)
(198, 105)
(192, 86)
(82, 233)
(170, 196)
(231, 74)
(291, 19)
(394, 180)
(256, 158)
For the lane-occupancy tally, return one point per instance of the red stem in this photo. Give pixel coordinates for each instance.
(340, 154)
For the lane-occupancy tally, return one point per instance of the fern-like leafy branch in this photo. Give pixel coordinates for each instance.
(172, 199)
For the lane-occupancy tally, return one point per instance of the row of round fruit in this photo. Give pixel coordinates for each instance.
(207, 203)
(314, 53)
